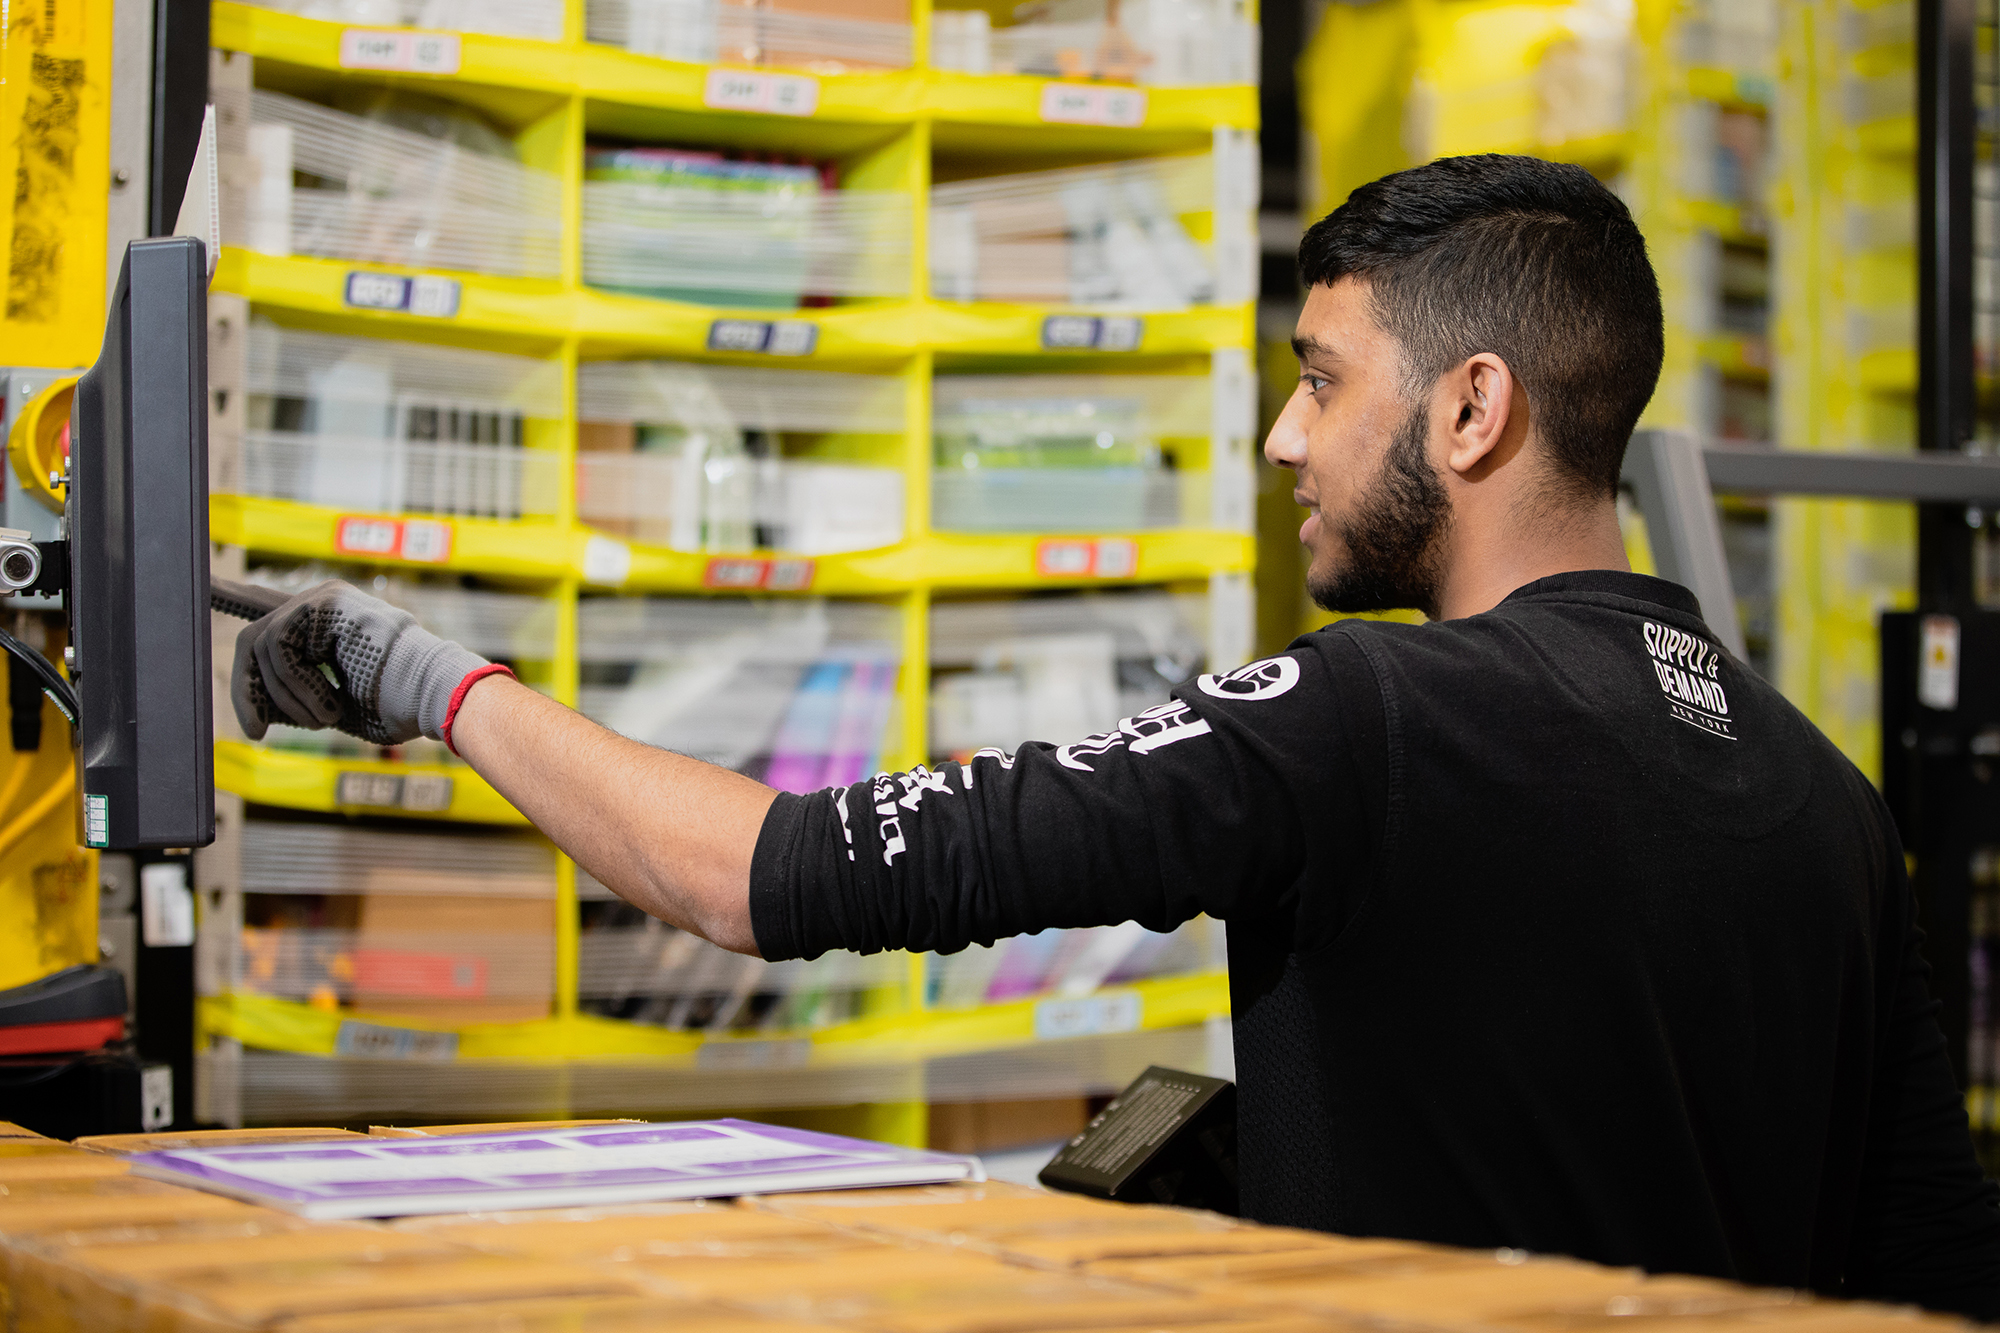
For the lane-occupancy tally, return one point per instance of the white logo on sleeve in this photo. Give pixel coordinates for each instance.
(1260, 680)
(1688, 668)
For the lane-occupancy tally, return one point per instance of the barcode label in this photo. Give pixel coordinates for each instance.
(746, 572)
(1092, 333)
(400, 50)
(379, 1041)
(771, 337)
(1085, 558)
(425, 541)
(772, 94)
(429, 296)
(420, 793)
(1090, 104)
(1090, 1016)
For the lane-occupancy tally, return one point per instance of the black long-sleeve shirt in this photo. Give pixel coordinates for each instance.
(1553, 927)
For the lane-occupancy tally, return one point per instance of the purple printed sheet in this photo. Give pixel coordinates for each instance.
(558, 1168)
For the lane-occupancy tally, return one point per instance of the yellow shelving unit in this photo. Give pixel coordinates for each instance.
(883, 128)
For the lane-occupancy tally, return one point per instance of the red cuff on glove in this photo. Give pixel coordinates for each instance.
(458, 696)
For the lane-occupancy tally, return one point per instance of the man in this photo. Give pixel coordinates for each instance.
(1550, 924)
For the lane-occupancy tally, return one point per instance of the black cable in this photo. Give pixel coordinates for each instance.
(60, 692)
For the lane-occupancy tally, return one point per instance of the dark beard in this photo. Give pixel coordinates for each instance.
(1395, 538)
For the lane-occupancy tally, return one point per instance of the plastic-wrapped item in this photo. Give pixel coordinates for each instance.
(638, 968)
(396, 427)
(1737, 35)
(541, 20)
(1164, 43)
(1071, 963)
(699, 227)
(295, 857)
(1056, 669)
(1108, 236)
(827, 35)
(686, 455)
(1066, 453)
(442, 195)
(723, 680)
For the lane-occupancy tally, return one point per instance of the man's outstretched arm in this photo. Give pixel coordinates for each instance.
(671, 835)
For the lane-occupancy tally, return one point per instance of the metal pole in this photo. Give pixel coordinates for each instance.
(1945, 398)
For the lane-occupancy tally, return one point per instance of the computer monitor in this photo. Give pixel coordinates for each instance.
(137, 524)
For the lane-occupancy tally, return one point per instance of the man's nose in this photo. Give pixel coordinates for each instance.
(1286, 444)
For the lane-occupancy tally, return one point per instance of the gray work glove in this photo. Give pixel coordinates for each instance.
(396, 679)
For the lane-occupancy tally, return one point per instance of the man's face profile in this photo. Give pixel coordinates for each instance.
(1360, 451)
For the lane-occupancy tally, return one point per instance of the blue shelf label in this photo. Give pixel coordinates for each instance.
(1092, 333)
(430, 297)
(771, 337)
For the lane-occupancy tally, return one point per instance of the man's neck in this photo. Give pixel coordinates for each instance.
(1485, 563)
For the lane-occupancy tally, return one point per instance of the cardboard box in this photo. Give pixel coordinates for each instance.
(207, 1138)
(257, 1295)
(38, 1207)
(975, 1127)
(707, 1235)
(10, 1130)
(47, 1159)
(96, 1279)
(455, 960)
(503, 1127)
(593, 1314)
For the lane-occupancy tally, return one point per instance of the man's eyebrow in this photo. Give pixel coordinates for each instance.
(1307, 348)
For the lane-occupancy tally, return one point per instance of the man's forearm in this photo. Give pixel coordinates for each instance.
(672, 835)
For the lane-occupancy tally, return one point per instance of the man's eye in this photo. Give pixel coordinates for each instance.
(1313, 383)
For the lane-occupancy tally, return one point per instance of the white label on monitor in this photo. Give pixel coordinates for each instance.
(1937, 668)
(1090, 1016)
(773, 94)
(400, 50)
(156, 1098)
(97, 821)
(166, 905)
(1092, 104)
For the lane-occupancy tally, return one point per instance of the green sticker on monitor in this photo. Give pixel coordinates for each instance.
(96, 821)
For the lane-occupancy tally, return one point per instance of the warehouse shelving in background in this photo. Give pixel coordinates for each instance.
(643, 346)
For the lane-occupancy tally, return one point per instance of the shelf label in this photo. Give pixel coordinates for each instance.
(423, 541)
(792, 1053)
(772, 337)
(606, 561)
(1937, 671)
(1086, 558)
(399, 49)
(772, 94)
(379, 1041)
(425, 793)
(746, 572)
(430, 297)
(1092, 333)
(1093, 104)
(1089, 1016)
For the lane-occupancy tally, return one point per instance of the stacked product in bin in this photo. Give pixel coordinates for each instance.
(396, 427)
(695, 226)
(638, 968)
(1069, 453)
(1056, 669)
(694, 457)
(1164, 43)
(797, 693)
(829, 36)
(1113, 235)
(436, 925)
(510, 627)
(394, 177)
(541, 20)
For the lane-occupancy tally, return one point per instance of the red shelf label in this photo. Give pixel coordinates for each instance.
(1086, 558)
(423, 541)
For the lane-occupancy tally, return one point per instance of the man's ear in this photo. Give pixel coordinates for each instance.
(1479, 395)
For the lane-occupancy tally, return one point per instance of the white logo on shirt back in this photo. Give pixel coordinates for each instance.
(1260, 680)
(1688, 668)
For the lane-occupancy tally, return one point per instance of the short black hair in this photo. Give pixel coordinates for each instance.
(1536, 262)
